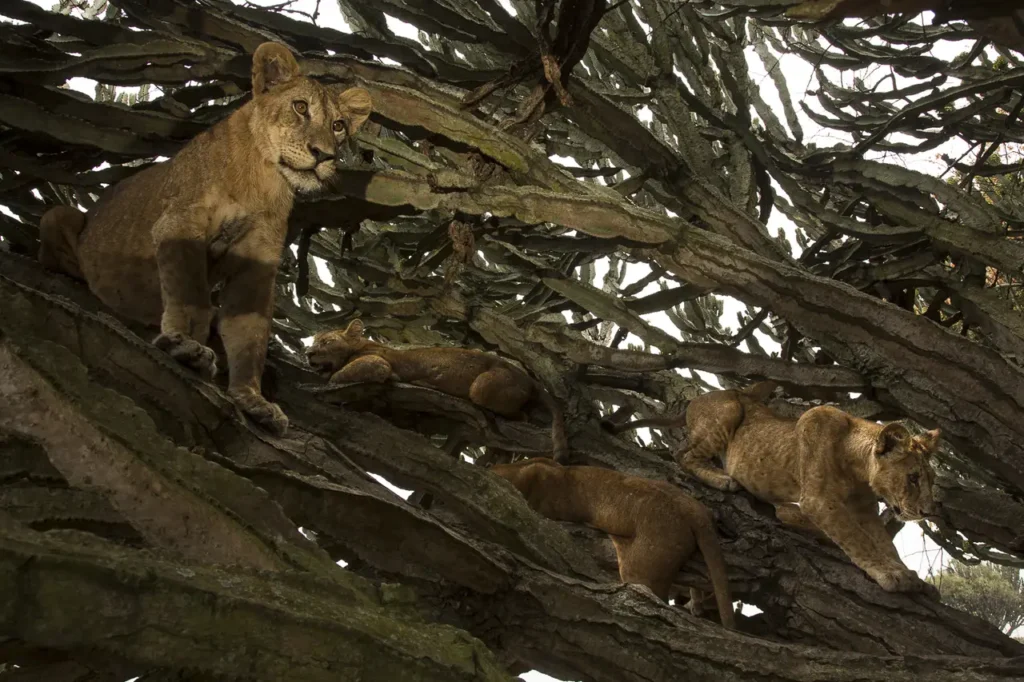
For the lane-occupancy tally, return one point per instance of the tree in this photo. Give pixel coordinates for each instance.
(146, 529)
(989, 591)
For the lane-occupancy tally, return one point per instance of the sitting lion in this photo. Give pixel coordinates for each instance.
(345, 355)
(834, 465)
(654, 525)
(158, 242)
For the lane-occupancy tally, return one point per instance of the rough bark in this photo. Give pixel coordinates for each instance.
(480, 559)
(93, 601)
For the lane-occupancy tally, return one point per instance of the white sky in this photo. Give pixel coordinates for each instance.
(918, 551)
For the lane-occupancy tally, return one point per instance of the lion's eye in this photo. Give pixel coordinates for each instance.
(300, 107)
(338, 126)
(913, 478)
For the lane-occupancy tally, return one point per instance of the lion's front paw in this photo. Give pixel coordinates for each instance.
(262, 411)
(188, 352)
(904, 580)
(923, 586)
(930, 590)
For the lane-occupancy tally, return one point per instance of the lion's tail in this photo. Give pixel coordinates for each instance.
(559, 442)
(59, 230)
(711, 550)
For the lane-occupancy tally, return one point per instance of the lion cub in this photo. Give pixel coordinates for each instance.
(834, 465)
(654, 526)
(158, 242)
(345, 355)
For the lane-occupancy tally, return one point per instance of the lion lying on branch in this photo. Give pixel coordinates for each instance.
(346, 355)
(654, 525)
(824, 471)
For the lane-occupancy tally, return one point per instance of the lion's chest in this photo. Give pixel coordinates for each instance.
(232, 228)
(237, 232)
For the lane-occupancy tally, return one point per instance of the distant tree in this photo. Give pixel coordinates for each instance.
(989, 591)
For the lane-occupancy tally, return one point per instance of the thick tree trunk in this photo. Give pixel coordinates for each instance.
(479, 559)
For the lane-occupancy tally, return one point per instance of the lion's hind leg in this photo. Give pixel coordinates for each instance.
(653, 560)
(58, 240)
(185, 296)
(698, 461)
(709, 434)
(502, 391)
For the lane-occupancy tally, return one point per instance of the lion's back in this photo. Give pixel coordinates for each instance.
(116, 252)
(764, 458)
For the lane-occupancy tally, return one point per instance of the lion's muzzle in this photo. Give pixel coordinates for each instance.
(319, 365)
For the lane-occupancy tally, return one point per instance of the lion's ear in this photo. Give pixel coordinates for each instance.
(889, 438)
(355, 105)
(354, 328)
(931, 440)
(272, 64)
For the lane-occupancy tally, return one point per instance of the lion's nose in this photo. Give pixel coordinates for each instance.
(320, 155)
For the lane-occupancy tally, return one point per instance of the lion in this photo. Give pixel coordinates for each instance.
(824, 472)
(345, 355)
(758, 392)
(654, 525)
(157, 243)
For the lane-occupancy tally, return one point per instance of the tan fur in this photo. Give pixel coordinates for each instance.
(758, 392)
(157, 243)
(833, 465)
(345, 355)
(654, 526)
(59, 229)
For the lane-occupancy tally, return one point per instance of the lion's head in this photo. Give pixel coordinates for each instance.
(902, 473)
(525, 473)
(331, 350)
(302, 126)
